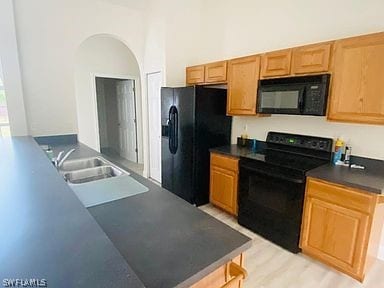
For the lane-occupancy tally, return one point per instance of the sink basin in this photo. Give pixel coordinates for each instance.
(71, 165)
(92, 174)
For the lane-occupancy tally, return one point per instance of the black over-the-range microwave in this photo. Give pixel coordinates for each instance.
(304, 95)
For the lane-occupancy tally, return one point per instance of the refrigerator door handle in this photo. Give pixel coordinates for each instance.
(170, 129)
(173, 126)
(176, 130)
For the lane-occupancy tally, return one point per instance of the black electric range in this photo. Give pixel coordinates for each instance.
(272, 185)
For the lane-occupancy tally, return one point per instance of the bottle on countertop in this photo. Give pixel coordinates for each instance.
(347, 155)
(244, 137)
(338, 151)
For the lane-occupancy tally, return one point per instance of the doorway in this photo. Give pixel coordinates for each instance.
(117, 121)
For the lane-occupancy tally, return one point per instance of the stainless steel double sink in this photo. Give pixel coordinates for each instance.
(85, 170)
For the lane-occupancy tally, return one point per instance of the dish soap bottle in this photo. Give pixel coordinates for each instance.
(347, 157)
(338, 150)
(244, 137)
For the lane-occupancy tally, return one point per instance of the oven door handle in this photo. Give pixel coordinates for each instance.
(290, 179)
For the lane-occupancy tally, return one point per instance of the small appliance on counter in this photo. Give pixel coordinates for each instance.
(272, 185)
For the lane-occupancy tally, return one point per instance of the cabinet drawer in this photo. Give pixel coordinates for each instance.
(342, 196)
(225, 162)
(216, 72)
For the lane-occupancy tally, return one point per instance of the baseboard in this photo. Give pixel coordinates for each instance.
(381, 252)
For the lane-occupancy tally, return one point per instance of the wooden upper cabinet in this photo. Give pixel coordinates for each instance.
(311, 58)
(277, 63)
(243, 77)
(357, 93)
(216, 72)
(195, 74)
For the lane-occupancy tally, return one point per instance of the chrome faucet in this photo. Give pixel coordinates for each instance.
(60, 160)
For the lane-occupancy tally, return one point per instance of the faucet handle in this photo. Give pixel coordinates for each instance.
(58, 158)
(61, 161)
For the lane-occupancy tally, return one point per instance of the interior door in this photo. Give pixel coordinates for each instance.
(154, 114)
(125, 90)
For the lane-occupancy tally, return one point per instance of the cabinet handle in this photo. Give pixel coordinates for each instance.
(236, 271)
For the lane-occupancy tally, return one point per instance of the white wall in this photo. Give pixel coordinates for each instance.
(9, 60)
(102, 55)
(355, 134)
(49, 34)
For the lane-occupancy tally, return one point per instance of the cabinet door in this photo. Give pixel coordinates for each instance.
(358, 77)
(311, 58)
(216, 72)
(223, 189)
(335, 235)
(195, 74)
(243, 77)
(276, 63)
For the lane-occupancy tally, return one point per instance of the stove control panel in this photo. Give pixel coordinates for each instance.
(300, 141)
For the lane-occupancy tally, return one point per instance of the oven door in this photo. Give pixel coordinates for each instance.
(271, 204)
(280, 99)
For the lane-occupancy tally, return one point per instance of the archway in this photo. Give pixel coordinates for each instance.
(108, 99)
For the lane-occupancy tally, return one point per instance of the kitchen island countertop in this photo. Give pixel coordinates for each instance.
(153, 239)
(167, 241)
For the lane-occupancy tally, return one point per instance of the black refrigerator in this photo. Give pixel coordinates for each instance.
(193, 120)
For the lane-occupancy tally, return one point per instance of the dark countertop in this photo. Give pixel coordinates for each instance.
(47, 232)
(370, 179)
(166, 241)
(233, 150)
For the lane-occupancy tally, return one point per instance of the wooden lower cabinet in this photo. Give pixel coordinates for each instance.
(224, 173)
(230, 275)
(341, 226)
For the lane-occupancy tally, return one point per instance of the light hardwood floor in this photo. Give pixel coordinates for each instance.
(270, 266)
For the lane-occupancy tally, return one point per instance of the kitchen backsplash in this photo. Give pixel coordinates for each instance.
(366, 140)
